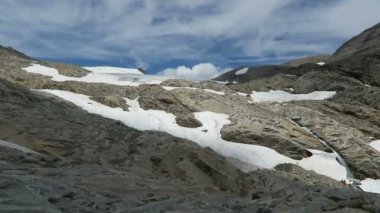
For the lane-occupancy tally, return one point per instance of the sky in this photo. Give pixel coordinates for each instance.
(195, 38)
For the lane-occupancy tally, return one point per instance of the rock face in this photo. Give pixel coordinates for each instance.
(319, 81)
(360, 56)
(82, 162)
(264, 72)
(10, 52)
(369, 40)
(351, 143)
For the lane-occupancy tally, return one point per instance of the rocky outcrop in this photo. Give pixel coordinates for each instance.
(259, 126)
(15, 60)
(66, 69)
(142, 70)
(365, 96)
(362, 66)
(360, 56)
(367, 41)
(208, 85)
(251, 124)
(277, 82)
(349, 142)
(325, 81)
(155, 97)
(361, 117)
(180, 83)
(253, 73)
(264, 72)
(9, 52)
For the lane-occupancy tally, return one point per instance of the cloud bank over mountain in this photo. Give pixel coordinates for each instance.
(203, 71)
(152, 33)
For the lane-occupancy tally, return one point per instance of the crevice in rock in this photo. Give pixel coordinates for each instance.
(339, 158)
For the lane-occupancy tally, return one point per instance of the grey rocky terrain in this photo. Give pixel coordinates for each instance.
(82, 162)
(308, 60)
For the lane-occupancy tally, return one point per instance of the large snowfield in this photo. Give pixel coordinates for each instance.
(113, 70)
(282, 96)
(249, 156)
(108, 75)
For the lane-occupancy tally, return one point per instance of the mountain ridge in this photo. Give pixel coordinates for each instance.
(356, 57)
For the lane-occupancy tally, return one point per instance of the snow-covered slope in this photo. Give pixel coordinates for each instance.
(108, 75)
(208, 135)
(113, 70)
(282, 96)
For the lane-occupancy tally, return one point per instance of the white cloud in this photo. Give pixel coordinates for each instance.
(148, 30)
(203, 71)
(351, 17)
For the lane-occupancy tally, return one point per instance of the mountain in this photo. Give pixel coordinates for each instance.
(10, 52)
(358, 59)
(360, 56)
(278, 139)
(366, 43)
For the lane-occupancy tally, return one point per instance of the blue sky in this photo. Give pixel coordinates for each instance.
(169, 33)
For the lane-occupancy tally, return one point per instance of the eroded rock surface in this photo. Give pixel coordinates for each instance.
(349, 142)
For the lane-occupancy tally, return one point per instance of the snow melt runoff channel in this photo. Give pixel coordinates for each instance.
(339, 158)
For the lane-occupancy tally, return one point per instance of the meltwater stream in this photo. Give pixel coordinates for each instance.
(17, 147)
(340, 160)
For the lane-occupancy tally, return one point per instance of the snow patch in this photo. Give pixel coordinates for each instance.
(242, 71)
(321, 63)
(113, 70)
(46, 71)
(324, 163)
(215, 92)
(105, 75)
(17, 147)
(255, 155)
(375, 144)
(370, 185)
(282, 96)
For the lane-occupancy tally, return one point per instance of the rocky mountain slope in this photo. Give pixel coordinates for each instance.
(80, 139)
(317, 59)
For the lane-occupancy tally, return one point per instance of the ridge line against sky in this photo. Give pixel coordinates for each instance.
(156, 35)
